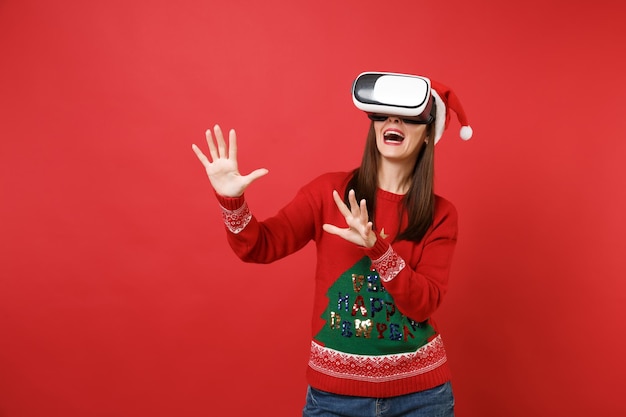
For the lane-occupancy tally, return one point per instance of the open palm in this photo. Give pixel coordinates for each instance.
(222, 168)
(359, 230)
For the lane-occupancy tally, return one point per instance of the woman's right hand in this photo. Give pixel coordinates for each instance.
(222, 169)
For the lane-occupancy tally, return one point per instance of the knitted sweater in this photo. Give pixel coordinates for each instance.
(372, 332)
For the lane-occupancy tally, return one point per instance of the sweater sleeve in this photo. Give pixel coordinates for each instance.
(272, 239)
(418, 286)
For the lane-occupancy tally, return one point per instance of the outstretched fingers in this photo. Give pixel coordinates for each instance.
(218, 148)
(360, 229)
(221, 143)
(255, 175)
(366, 233)
(201, 156)
(343, 209)
(354, 206)
(232, 145)
(221, 164)
(356, 212)
(334, 230)
(211, 144)
(363, 212)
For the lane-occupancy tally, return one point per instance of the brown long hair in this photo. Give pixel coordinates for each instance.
(418, 202)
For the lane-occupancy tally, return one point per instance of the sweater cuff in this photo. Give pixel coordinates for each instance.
(388, 264)
(378, 250)
(230, 203)
(235, 212)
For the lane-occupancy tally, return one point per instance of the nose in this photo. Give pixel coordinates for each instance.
(393, 119)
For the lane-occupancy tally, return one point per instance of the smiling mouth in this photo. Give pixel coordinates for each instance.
(393, 137)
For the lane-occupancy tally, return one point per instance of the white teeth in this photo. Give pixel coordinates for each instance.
(389, 133)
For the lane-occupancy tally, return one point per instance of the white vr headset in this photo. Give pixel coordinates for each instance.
(391, 93)
(410, 97)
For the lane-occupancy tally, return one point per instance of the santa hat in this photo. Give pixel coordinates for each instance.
(447, 100)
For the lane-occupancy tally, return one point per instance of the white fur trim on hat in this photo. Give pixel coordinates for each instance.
(440, 117)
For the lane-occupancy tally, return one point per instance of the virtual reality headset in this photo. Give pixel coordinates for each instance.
(394, 94)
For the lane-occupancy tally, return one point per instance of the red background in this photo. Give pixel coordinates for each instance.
(118, 293)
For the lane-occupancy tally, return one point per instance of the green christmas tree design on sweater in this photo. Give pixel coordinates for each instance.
(362, 318)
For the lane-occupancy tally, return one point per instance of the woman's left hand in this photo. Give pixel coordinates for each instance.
(359, 230)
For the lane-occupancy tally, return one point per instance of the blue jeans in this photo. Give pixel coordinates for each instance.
(435, 402)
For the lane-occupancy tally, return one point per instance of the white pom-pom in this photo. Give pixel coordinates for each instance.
(466, 132)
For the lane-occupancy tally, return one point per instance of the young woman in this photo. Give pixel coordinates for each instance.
(384, 243)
